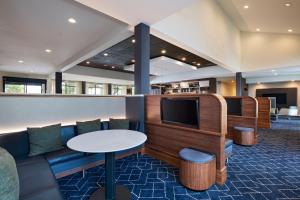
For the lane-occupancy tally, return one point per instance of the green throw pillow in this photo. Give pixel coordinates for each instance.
(9, 179)
(88, 126)
(118, 124)
(44, 139)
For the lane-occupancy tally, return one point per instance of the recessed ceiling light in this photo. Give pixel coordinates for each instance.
(232, 81)
(183, 58)
(273, 70)
(246, 6)
(133, 40)
(133, 60)
(21, 61)
(258, 29)
(290, 30)
(72, 20)
(105, 54)
(293, 80)
(179, 63)
(163, 51)
(113, 67)
(198, 64)
(288, 4)
(275, 74)
(87, 62)
(48, 50)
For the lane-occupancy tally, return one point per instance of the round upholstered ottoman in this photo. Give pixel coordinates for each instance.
(243, 136)
(197, 169)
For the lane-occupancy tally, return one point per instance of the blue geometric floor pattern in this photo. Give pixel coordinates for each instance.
(269, 170)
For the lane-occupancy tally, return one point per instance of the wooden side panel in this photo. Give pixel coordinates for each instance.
(249, 107)
(166, 140)
(210, 114)
(152, 108)
(264, 106)
(248, 118)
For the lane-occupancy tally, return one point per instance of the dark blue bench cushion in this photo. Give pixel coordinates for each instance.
(17, 144)
(228, 142)
(62, 155)
(196, 156)
(67, 132)
(133, 125)
(36, 179)
(246, 129)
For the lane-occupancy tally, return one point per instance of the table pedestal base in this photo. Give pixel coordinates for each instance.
(122, 193)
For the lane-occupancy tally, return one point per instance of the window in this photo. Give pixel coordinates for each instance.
(69, 87)
(95, 89)
(119, 90)
(24, 85)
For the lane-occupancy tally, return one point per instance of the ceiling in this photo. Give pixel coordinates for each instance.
(270, 16)
(163, 66)
(134, 12)
(121, 55)
(29, 27)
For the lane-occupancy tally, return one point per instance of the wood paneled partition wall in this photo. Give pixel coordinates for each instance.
(248, 117)
(264, 109)
(166, 140)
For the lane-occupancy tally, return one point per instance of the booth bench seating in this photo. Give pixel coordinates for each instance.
(37, 174)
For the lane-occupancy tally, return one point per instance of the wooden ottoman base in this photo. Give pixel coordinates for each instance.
(244, 138)
(197, 176)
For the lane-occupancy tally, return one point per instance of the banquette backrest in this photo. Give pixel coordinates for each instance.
(17, 143)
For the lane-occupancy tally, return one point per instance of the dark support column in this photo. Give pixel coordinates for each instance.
(142, 59)
(58, 82)
(83, 87)
(241, 86)
(110, 189)
(212, 85)
(109, 89)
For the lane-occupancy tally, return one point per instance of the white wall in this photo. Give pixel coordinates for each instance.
(206, 72)
(266, 50)
(89, 74)
(227, 88)
(204, 29)
(252, 88)
(19, 112)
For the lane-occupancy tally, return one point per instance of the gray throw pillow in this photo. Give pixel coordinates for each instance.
(44, 139)
(9, 179)
(88, 126)
(119, 124)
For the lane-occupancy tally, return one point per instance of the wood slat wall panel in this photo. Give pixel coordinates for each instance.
(166, 140)
(264, 107)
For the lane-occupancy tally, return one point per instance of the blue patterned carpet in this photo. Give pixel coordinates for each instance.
(270, 170)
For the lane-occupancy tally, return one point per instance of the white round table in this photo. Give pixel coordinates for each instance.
(108, 142)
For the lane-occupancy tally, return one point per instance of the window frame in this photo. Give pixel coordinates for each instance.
(24, 81)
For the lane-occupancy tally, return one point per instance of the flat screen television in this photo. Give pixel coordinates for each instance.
(281, 98)
(234, 106)
(179, 111)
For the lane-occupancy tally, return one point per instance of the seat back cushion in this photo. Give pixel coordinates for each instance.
(45, 139)
(10, 141)
(118, 124)
(9, 181)
(88, 126)
(67, 132)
